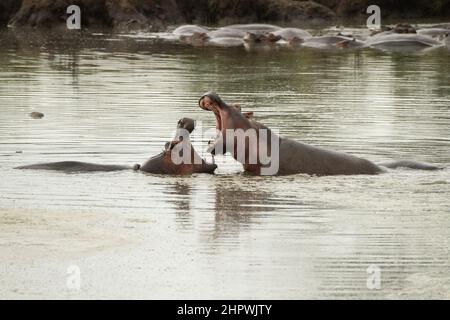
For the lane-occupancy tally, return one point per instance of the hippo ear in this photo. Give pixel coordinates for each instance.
(248, 115)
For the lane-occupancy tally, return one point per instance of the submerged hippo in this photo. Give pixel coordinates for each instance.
(292, 156)
(442, 26)
(160, 164)
(331, 42)
(394, 41)
(289, 34)
(189, 30)
(225, 42)
(227, 33)
(203, 39)
(437, 33)
(197, 39)
(254, 28)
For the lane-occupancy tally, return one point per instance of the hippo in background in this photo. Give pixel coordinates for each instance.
(160, 164)
(331, 42)
(402, 42)
(289, 34)
(436, 33)
(189, 30)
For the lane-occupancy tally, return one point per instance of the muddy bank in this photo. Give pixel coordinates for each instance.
(134, 14)
(157, 14)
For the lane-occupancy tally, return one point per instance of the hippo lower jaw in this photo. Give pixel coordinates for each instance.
(207, 167)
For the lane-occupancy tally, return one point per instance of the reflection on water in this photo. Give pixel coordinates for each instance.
(113, 99)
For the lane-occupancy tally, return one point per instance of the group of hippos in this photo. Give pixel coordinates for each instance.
(251, 35)
(292, 156)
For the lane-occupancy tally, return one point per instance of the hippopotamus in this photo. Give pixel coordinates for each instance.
(404, 28)
(290, 33)
(394, 41)
(189, 30)
(442, 26)
(162, 163)
(252, 38)
(225, 42)
(197, 39)
(438, 33)
(227, 33)
(331, 42)
(271, 154)
(254, 28)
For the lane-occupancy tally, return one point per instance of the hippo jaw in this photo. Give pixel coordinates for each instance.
(212, 102)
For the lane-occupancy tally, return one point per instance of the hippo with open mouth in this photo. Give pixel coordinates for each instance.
(270, 154)
(162, 163)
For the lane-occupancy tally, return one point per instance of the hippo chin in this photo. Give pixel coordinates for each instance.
(162, 163)
(291, 156)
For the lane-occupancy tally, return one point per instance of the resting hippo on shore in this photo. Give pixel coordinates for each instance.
(287, 156)
(160, 164)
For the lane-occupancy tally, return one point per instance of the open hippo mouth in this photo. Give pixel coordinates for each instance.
(212, 102)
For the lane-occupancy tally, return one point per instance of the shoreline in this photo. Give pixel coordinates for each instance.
(158, 15)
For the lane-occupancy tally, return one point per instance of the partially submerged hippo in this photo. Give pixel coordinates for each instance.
(438, 33)
(271, 154)
(189, 30)
(225, 42)
(394, 41)
(200, 39)
(252, 38)
(197, 39)
(227, 33)
(162, 163)
(254, 28)
(332, 42)
(289, 34)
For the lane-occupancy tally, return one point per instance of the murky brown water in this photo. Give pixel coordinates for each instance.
(116, 99)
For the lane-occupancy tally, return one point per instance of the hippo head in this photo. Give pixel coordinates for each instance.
(196, 39)
(344, 44)
(211, 101)
(227, 117)
(404, 28)
(270, 37)
(179, 156)
(251, 37)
